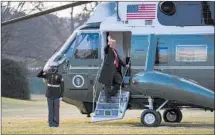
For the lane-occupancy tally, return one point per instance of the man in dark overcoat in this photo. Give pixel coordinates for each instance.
(111, 71)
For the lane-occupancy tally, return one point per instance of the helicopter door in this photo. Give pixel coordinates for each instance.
(84, 65)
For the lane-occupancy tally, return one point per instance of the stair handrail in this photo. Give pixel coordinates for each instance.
(96, 81)
(120, 90)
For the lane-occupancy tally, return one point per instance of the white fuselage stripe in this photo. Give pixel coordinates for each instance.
(175, 67)
(156, 67)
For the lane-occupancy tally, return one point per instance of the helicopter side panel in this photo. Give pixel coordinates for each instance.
(189, 56)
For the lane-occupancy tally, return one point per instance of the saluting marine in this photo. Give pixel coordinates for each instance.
(54, 92)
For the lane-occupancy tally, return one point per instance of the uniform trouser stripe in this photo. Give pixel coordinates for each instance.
(53, 108)
(59, 111)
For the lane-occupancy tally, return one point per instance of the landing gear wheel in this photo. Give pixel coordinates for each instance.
(172, 115)
(180, 116)
(150, 118)
(160, 117)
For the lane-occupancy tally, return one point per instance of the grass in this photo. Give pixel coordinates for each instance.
(194, 122)
(82, 126)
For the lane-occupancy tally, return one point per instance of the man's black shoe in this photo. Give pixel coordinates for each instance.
(107, 99)
(113, 94)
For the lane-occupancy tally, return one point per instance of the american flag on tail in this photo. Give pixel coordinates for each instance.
(141, 11)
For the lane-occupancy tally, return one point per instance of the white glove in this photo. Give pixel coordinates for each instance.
(127, 66)
(60, 99)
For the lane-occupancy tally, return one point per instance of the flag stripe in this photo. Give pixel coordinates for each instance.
(141, 16)
(146, 7)
(144, 18)
(146, 10)
(142, 11)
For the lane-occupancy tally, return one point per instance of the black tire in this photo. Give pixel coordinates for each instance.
(155, 118)
(176, 115)
(180, 116)
(160, 117)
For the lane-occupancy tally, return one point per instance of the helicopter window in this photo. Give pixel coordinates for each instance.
(138, 49)
(161, 56)
(69, 50)
(187, 53)
(87, 46)
(207, 12)
(185, 13)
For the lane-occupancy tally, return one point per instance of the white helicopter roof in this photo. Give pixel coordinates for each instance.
(102, 11)
(145, 23)
(128, 13)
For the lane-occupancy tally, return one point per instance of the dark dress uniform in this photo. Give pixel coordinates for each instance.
(110, 74)
(55, 89)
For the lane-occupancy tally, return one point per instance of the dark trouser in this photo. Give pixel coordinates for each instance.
(53, 112)
(117, 80)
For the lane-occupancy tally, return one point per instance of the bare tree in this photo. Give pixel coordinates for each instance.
(54, 24)
(10, 10)
(55, 29)
(72, 20)
(85, 14)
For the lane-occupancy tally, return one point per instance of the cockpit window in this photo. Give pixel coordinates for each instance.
(68, 52)
(188, 14)
(87, 46)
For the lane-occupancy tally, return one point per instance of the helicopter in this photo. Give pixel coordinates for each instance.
(169, 47)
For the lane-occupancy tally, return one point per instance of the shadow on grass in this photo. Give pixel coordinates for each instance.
(189, 125)
(136, 123)
(184, 125)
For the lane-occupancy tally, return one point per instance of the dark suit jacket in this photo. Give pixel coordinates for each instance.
(108, 69)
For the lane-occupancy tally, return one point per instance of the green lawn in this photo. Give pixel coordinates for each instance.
(194, 122)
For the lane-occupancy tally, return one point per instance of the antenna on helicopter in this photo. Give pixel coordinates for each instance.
(74, 4)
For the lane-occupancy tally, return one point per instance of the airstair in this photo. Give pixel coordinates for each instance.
(115, 108)
(112, 110)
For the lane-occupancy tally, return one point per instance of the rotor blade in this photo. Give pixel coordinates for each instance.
(74, 4)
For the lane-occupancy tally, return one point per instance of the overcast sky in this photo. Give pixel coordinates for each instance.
(63, 13)
(48, 5)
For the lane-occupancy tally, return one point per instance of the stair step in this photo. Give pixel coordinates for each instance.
(107, 106)
(139, 96)
(115, 109)
(117, 94)
(106, 113)
(112, 99)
